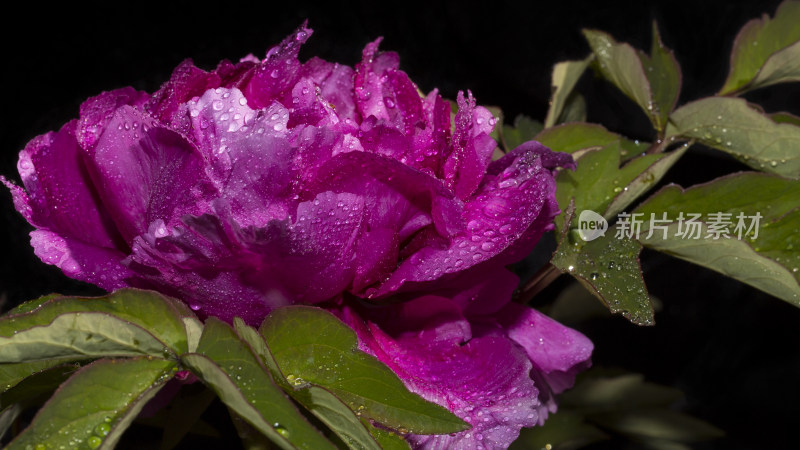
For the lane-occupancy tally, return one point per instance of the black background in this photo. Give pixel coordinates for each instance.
(732, 349)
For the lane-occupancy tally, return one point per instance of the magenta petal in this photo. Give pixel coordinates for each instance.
(145, 172)
(430, 144)
(557, 352)
(61, 196)
(249, 157)
(400, 193)
(550, 159)
(483, 380)
(472, 147)
(85, 262)
(274, 77)
(502, 212)
(97, 111)
(314, 257)
(186, 82)
(336, 86)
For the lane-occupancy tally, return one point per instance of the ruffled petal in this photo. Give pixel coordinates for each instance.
(335, 82)
(61, 196)
(502, 212)
(273, 79)
(145, 172)
(248, 153)
(472, 147)
(557, 352)
(483, 380)
(187, 81)
(98, 111)
(101, 266)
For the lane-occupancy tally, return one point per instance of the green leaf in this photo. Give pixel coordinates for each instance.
(600, 185)
(38, 387)
(564, 430)
(523, 130)
(386, 439)
(77, 335)
(230, 368)
(620, 64)
(30, 305)
(95, 406)
(313, 346)
(664, 75)
(644, 181)
(565, 76)
(768, 261)
(328, 408)
(574, 110)
(785, 117)
(194, 329)
(128, 322)
(12, 374)
(336, 415)
(577, 138)
(658, 423)
(766, 51)
(731, 125)
(607, 267)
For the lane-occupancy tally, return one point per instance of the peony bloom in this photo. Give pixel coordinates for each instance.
(271, 182)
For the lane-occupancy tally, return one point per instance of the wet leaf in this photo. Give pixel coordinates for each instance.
(729, 212)
(609, 268)
(128, 322)
(731, 125)
(620, 64)
(766, 51)
(230, 368)
(577, 138)
(523, 130)
(664, 75)
(95, 406)
(564, 78)
(312, 346)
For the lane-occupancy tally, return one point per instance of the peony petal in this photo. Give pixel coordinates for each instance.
(472, 147)
(308, 106)
(483, 380)
(431, 142)
(273, 79)
(145, 172)
(501, 213)
(336, 86)
(186, 82)
(557, 352)
(313, 257)
(61, 197)
(249, 155)
(85, 262)
(98, 111)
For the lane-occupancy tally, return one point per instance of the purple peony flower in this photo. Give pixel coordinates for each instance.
(271, 182)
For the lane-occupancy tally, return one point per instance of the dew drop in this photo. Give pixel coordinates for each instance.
(281, 429)
(103, 429)
(94, 442)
